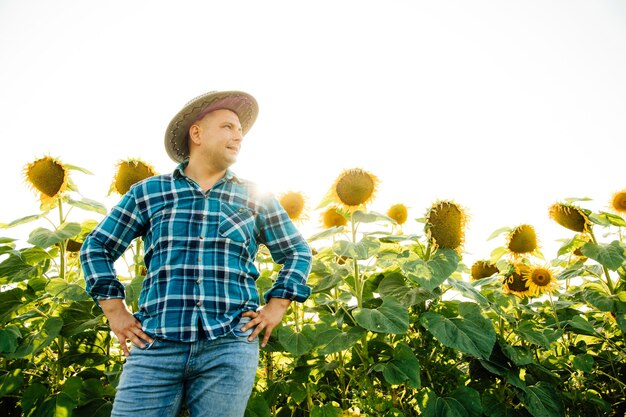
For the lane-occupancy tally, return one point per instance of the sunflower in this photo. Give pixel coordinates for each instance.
(540, 280)
(483, 269)
(445, 225)
(354, 188)
(399, 213)
(293, 202)
(618, 202)
(570, 217)
(129, 172)
(516, 282)
(522, 240)
(48, 176)
(333, 218)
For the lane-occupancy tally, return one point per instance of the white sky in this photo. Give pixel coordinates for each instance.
(503, 106)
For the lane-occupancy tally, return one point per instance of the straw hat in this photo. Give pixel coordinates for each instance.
(177, 132)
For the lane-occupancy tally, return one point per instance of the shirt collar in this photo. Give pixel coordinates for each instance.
(179, 172)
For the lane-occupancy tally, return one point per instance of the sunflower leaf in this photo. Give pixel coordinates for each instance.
(611, 255)
(89, 205)
(390, 317)
(45, 238)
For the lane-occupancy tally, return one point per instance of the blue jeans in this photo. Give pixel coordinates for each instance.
(213, 377)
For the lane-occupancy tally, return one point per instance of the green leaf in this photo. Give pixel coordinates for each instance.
(89, 205)
(59, 405)
(326, 233)
(77, 168)
(257, 407)
(610, 255)
(467, 290)
(433, 273)
(470, 399)
(606, 219)
(23, 220)
(133, 289)
(583, 362)
(58, 287)
(362, 250)
(371, 217)
(33, 397)
(542, 400)
(45, 238)
(16, 269)
(99, 407)
(390, 317)
(472, 334)
(326, 410)
(10, 301)
(582, 325)
(295, 343)
(404, 367)
(8, 339)
(528, 332)
(334, 340)
(443, 407)
(599, 299)
(11, 382)
(394, 285)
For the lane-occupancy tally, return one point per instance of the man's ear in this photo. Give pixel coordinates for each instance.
(194, 133)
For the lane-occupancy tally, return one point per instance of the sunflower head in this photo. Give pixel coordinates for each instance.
(293, 202)
(522, 240)
(483, 269)
(445, 225)
(48, 176)
(618, 202)
(354, 188)
(570, 217)
(129, 172)
(515, 282)
(540, 280)
(333, 218)
(399, 213)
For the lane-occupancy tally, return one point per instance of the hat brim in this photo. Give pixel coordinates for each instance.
(177, 132)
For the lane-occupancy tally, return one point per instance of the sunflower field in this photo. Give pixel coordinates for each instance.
(397, 324)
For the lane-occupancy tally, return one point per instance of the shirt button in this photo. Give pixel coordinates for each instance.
(198, 281)
(201, 237)
(199, 303)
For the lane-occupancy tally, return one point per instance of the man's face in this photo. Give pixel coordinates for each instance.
(218, 138)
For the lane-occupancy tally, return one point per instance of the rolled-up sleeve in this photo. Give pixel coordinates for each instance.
(289, 249)
(105, 244)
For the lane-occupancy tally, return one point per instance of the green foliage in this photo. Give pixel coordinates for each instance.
(394, 327)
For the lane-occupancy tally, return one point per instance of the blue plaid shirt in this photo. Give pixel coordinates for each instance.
(199, 250)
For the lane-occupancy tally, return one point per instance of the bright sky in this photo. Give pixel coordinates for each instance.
(503, 106)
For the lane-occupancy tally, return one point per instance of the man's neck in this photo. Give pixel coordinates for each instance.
(205, 175)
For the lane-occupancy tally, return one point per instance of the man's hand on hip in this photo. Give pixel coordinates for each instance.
(125, 326)
(266, 318)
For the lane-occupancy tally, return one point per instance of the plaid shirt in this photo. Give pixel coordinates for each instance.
(199, 250)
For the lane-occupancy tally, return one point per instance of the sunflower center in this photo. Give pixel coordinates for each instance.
(293, 203)
(569, 217)
(516, 282)
(47, 176)
(619, 202)
(541, 277)
(355, 188)
(523, 239)
(446, 222)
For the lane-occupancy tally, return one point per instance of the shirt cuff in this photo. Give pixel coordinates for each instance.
(298, 292)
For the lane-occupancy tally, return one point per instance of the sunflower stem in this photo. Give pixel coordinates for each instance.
(609, 282)
(62, 243)
(358, 286)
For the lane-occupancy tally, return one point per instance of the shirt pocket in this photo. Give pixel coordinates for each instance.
(236, 223)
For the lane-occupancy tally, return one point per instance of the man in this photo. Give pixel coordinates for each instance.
(194, 338)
